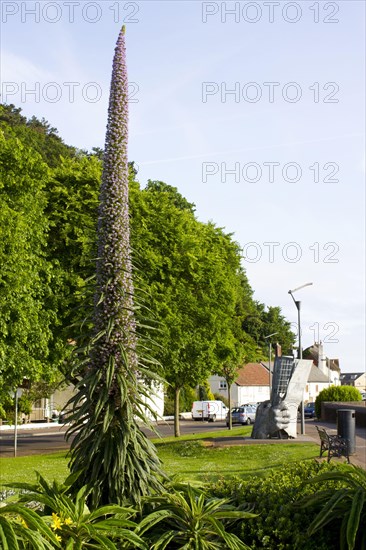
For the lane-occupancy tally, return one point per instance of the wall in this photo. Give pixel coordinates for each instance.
(329, 411)
(252, 394)
(215, 382)
(312, 390)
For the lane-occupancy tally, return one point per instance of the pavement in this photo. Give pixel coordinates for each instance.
(24, 428)
(359, 456)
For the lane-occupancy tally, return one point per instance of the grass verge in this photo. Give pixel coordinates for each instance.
(191, 458)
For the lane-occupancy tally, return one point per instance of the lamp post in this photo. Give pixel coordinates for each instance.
(299, 352)
(269, 357)
(18, 392)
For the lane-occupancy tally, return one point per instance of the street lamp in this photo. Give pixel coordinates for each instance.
(270, 356)
(299, 352)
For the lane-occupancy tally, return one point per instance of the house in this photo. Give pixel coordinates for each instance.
(253, 382)
(329, 367)
(317, 381)
(251, 385)
(356, 379)
(50, 407)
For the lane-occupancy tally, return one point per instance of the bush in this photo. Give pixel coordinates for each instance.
(219, 397)
(280, 525)
(204, 392)
(186, 398)
(336, 393)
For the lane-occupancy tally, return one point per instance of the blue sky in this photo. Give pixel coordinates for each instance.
(278, 162)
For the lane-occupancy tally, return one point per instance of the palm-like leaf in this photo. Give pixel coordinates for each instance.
(346, 503)
(22, 528)
(79, 527)
(185, 518)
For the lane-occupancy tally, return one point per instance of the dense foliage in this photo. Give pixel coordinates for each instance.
(35, 134)
(46, 517)
(200, 302)
(342, 510)
(307, 506)
(336, 393)
(26, 335)
(280, 524)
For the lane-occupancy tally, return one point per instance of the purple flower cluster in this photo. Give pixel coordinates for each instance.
(114, 294)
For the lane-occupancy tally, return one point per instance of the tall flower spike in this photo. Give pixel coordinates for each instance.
(114, 273)
(110, 453)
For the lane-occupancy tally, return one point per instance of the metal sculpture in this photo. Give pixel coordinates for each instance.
(277, 417)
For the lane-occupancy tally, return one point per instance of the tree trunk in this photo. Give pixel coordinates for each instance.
(229, 403)
(176, 412)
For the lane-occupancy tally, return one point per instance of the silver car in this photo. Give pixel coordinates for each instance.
(242, 415)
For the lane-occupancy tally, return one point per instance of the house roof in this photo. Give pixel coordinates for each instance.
(313, 353)
(351, 376)
(253, 374)
(316, 375)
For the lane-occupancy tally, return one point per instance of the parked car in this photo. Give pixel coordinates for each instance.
(309, 410)
(242, 415)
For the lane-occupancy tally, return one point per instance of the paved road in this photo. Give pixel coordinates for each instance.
(52, 439)
(31, 442)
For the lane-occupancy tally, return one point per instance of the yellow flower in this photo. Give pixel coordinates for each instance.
(58, 538)
(21, 520)
(68, 521)
(56, 522)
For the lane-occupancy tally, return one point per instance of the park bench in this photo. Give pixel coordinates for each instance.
(334, 444)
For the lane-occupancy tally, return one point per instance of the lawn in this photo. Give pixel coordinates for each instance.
(193, 460)
(192, 457)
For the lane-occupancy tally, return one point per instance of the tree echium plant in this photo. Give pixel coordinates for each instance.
(111, 454)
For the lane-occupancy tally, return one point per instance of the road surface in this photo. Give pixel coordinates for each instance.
(52, 439)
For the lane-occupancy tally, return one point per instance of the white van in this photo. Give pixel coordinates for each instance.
(209, 410)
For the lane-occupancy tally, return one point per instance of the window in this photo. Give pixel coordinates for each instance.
(223, 385)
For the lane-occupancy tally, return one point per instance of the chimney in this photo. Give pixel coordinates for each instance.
(278, 350)
(322, 360)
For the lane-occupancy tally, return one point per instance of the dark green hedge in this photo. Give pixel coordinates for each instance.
(336, 393)
(280, 524)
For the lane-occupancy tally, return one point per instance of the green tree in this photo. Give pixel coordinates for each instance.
(72, 205)
(190, 271)
(274, 321)
(35, 133)
(26, 323)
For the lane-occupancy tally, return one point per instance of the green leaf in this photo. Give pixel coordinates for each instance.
(7, 535)
(355, 513)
